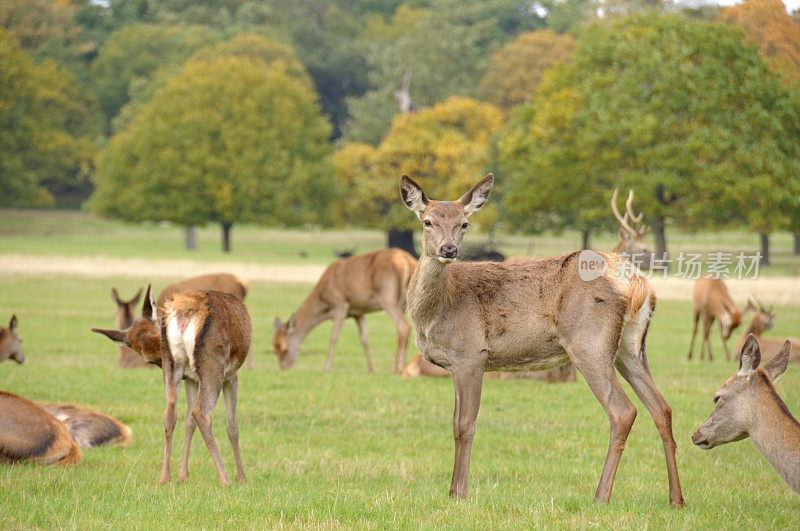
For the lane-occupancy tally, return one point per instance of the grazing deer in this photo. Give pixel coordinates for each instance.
(124, 318)
(11, 343)
(470, 317)
(630, 233)
(763, 320)
(419, 366)
(202, 337)
(713, 301)
(749, 406)
(29, 433)
(351, 287)
(89, 428)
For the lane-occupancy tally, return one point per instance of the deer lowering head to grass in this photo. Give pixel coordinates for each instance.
(749, 406)
(29, 433)
(762, 321)
(124, 316)
(472, 317)
(351, 287)
(713, 301)
(11, 343)
(631, 246)
(204, 338)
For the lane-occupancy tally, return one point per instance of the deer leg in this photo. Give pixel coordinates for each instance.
(724, 343)
(191, 400)
(635, 370)
(468, 384)
(172, 383)
(708, 321)
(395, 313)
(339, 315)
(230, 390)
(361, 322)
(209, 389)
(694, 333)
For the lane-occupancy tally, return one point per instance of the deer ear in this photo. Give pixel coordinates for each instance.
(115, 296)
(750, 358)
(474, 200)
(413, 196)
(749, 306)
(777, 365)
(277, 324)
(149, 306)
(12, 324)
(135, 300)
(117, 336)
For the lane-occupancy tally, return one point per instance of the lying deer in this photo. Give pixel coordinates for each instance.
(351, 287)
(123, 319)
(202, 337)
(631, 245)
(11, 343)
(89, 428)
(419, 366)
(29, 433)
(472, 317)
(763, 320)
(713, 301)
(749, 406)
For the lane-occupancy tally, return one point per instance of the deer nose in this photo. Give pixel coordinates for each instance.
(448, 251)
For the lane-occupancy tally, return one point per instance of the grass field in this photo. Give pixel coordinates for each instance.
(349, 449)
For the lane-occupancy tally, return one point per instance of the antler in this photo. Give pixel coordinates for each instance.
(623, 221)
(628, 207)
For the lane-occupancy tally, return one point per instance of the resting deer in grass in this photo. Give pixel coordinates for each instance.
(11, 343)
(29, 433)
(763, 320)
(202, 337)
(749, 406)
(713, 301)
(124, 316)
(89, 428)
(352, 287)
(630, 233)
(472, 317)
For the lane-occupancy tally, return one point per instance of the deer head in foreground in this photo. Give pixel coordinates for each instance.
(749, 406)
(473, 317)
(11, 343)
(630, 233)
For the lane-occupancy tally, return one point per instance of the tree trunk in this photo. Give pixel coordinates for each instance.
(403, 239)
(190, 238)
(661, 238)
(764, 249)
(226, 237)
(585, 234)
(797, 243)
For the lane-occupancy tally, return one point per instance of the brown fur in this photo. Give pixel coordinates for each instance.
(535, 314)
(351, 287)
(124, 316)
(224, 282)
(89, 428)
(713, 301)
(29, 433)
(419, 366)
(11, 343)
(770, 346)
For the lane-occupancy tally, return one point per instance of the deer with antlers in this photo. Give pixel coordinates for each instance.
(203, 337)
(473, 317)
(763, 320)
(713, 301)
(630, 233)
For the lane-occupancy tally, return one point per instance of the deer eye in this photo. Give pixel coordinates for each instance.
(716, 399)
(464, 225)
(427, 223)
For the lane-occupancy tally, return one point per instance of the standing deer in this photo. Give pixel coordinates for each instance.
(11, 343)
(419, 366)
(472, 317)
(748, 405)
(123, 319)
(763, 320)
(630, 233)
(351, 287)
(29, 433)
(713, 301)
(202, 337)
(89, 428)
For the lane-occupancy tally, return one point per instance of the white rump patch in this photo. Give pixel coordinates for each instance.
(181, 344)
(633, 330)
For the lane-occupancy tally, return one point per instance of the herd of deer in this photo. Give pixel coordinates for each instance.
(470, 318)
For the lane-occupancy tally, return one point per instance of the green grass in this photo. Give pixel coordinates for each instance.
(349, 449)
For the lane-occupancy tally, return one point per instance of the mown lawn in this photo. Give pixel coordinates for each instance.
(350, 449)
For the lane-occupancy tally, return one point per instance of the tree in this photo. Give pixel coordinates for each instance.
(227, 140)
(516, 69)
(680, 110)
(444, 148)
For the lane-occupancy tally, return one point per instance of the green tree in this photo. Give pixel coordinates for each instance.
(227, 140)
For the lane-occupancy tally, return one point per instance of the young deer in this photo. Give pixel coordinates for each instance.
(472, 317)
(89, 428)
(749, 406)
(29, 433)
(202, 337)
(713, 301)
(351, 287)
(630, 243)
(11, 343)
(763, 320)
(124, 316)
